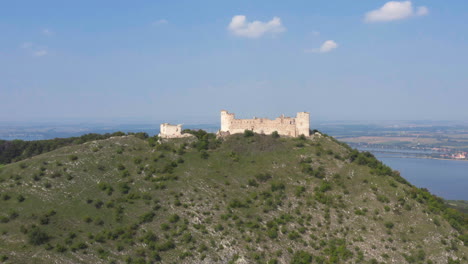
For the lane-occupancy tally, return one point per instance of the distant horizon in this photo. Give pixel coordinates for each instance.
(127, 121)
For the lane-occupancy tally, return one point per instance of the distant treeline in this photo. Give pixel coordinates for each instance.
(16, 150)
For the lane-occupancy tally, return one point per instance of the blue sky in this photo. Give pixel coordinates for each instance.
(183, 61)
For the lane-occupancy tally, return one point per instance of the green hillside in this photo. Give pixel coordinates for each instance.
(242, 199)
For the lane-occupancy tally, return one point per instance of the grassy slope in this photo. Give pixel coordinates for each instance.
(224, 213)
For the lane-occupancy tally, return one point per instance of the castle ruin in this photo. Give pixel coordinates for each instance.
(171, 131)
(285, 126)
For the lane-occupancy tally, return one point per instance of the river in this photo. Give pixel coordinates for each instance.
(445, 178)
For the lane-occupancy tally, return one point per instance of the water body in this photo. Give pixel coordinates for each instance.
(445, 178)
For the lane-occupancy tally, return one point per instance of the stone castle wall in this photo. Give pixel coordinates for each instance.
(171, 131)
(285, 126)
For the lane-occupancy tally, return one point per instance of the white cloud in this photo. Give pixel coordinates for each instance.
(422, 11)
(47, 32)
(327, 46)
(395, 10)
(160, 22)
(240, 27)
(26, 45)
(40, 53)
(34, 50)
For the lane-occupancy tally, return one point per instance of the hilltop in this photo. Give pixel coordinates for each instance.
(246, 198)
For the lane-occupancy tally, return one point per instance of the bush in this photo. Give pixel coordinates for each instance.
(389, 225)
(382, 198)
(13, 214)
(277, 186)
(275, 134)
(146, 218)
(301, 257)
(60, 248)
(204, 154)
(263, 177)
(37, 237)
(293, 235)
(174, 218)
(252, 183)
(272, 233)
(165, 246)
(124, 188)
(20, 198)
(248, 133)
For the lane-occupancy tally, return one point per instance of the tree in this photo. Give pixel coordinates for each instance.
(248, 133)
(275, 134)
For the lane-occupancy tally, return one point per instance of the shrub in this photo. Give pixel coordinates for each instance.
(252, 183)
(20, 198)
(248, 133)
(6, 197)
(275, 134)
(60, 248)
(219, 227)
(293, 235)
(389, 225)
(300, 190)
(119, 150)
(236, 204)
(165, 246)
(73, 157)
(263, 177)
(37, 237)
(277, 186)
(204, 154)
(56, 174)
(174, 218)
(44, 220)
(98, 204)
(382, 198)
(146, 218)
(301, 257)
(124, 188)
(272, 233)
(324, 187)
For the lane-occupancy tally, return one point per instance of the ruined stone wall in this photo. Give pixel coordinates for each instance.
(171, 131)
(285, 126)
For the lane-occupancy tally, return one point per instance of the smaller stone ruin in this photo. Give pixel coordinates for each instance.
(172, 131)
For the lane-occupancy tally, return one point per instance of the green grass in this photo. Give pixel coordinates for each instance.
(123, 200)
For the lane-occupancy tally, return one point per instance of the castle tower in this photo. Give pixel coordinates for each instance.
(303, 124)
(226, 119)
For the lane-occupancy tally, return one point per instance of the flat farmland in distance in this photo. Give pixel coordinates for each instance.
(391, 140)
